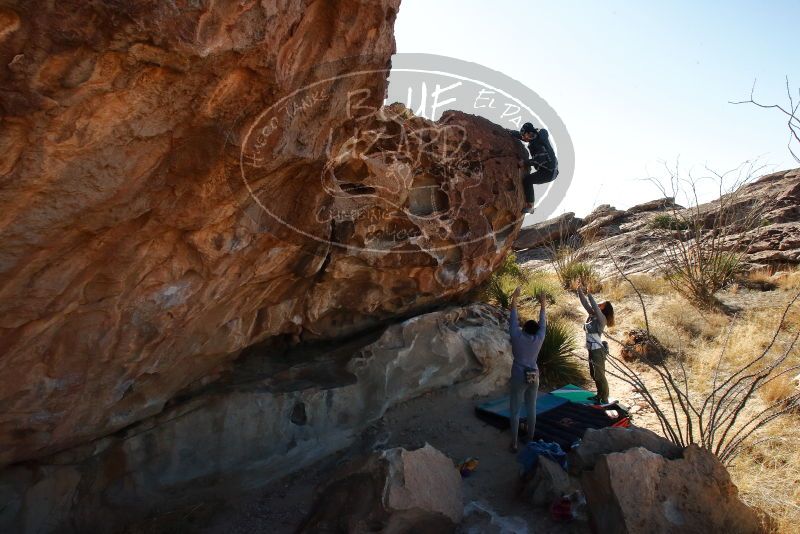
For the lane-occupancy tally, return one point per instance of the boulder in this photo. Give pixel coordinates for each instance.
(638, 248)
(600, 211)
(393, 491)
(182, 180)
(273, 414)
(552, 231)
(426, 479)
(603, 226)
(659, 204)
(642, 492)
(597, 443)
(779, 242)
(638, 345)
(549, 482)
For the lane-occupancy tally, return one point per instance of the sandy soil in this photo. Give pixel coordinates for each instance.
(446, 420)
(442, 418)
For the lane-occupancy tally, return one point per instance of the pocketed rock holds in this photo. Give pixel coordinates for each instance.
(641, 492)
(394, 491)
(596, 443)
(182, 180)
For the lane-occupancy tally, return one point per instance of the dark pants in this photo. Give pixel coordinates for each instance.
(597, 368)
(542, 176)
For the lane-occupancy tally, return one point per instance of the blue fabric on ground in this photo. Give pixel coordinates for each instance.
(529, 455)
(544, 403)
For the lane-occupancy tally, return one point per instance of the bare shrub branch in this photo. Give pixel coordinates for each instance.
(790, 112)
(714, 418)
(705, 244)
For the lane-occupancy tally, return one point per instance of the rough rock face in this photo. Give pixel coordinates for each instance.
(268, 417)
(547, 232)
(392, 491)
(636, 246)
(635, 481)
(641, 492)
(596, 443)
(172, 194)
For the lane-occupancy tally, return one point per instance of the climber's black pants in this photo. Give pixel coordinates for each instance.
(542, 176)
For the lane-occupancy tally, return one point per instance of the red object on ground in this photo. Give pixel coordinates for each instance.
(561, 509)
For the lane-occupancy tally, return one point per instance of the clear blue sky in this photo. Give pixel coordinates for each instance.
(636, 83)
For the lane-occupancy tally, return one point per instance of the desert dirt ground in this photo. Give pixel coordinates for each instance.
(443, 418)
(446, 420)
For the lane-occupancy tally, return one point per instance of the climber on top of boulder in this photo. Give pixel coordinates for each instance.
(543, 160)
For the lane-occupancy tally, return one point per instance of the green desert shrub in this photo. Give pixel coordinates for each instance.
(511, 268)
(576, 273)
(501, 285)
(699, 274)
(558, 363)
(569, 263)
(665, 221)
(499, 289)
(540, 282)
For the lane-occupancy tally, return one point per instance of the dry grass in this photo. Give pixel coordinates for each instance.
(768, 475)
(767, 471)
(693, 324)
(791, 280)
(779, 389)
(759, 280)
(619, 289)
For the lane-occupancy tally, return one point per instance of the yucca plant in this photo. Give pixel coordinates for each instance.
(499, 290)
(558, 364)
(511, 268)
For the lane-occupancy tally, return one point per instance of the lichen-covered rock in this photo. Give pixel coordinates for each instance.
(182, 180)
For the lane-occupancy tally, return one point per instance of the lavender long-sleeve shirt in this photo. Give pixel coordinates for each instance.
(525, 347)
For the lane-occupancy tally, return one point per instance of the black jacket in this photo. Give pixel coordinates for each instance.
(543, 157)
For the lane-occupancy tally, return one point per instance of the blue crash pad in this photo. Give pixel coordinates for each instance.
(500, 407)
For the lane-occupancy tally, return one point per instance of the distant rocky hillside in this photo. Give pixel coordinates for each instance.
(630, 237)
